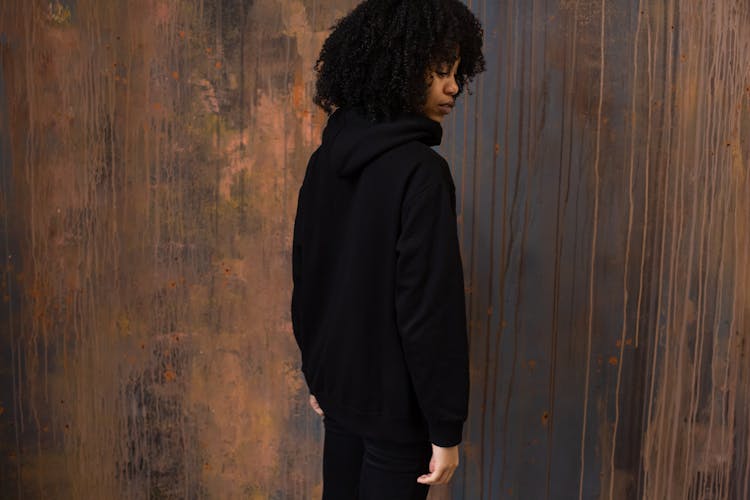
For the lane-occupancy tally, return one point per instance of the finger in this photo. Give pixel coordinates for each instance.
(318, 410)
(426, 479)
(433, 478)
(315, 406)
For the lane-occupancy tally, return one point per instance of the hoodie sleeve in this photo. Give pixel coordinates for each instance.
(430, 310)
(297, 256)
(297, 271)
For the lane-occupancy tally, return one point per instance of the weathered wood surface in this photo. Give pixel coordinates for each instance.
(150, 156)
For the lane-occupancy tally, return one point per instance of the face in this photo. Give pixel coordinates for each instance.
(441, 91)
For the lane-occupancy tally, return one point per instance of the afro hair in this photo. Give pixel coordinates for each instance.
(378, 57)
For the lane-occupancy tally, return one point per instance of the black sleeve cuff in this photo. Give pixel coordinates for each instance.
(445, 433)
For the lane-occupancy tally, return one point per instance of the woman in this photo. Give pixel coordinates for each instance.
(378, 300)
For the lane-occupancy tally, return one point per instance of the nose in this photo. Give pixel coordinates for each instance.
(451, 87)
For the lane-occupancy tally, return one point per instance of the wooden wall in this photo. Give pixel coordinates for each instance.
(150, 157)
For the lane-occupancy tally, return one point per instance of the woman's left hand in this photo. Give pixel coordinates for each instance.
(315, 405)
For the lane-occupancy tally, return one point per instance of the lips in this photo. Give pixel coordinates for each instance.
(445, 107)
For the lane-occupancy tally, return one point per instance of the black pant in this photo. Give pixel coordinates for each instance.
(359, 468)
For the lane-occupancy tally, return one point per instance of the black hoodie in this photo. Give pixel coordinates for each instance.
(378, 305)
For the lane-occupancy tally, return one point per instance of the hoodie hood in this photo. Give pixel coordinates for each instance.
(354, 141)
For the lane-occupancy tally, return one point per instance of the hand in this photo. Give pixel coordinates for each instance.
(315, 405)
(442, 465)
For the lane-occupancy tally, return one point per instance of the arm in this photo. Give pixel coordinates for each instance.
(297, 256)
(430, 310)
(297, 271)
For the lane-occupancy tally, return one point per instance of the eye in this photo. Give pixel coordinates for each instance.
(442, 74)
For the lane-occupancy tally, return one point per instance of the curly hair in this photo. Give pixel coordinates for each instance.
(377, 58)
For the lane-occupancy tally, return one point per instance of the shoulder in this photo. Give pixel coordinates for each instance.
(430, 171)
(430, 177)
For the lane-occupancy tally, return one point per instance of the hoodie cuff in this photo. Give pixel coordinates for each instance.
(445, 433)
